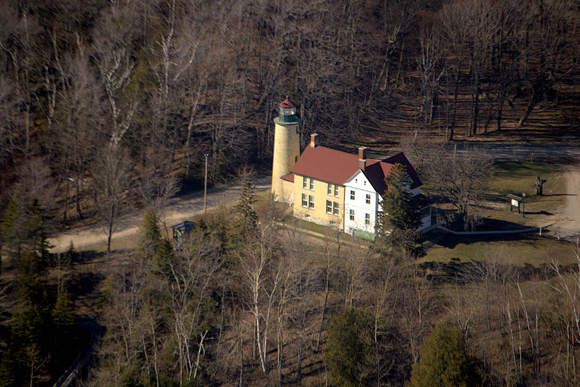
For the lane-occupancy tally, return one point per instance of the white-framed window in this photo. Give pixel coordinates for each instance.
(351, 195)
(335, 208)
(367, 219)
(310, 201)
(351, 214)
(329, 189)
(311, 184)
(368, 199)
(365, 182)
(304, 201)
(304, 182)
(328, 207)
(336, 190)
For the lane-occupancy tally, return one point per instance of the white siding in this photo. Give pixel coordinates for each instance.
(361, 187)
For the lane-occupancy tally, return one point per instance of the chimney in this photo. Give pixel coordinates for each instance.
(313, 138)
(362, 156)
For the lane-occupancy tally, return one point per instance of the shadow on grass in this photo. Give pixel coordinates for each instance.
(458, 272)
(450, 241)
(539, 213)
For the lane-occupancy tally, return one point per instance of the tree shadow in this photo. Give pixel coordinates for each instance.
(539, 213)
(450, 241)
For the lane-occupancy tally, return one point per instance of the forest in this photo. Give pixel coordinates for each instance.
(108, 106)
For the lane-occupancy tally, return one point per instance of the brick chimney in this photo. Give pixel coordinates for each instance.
(362, 157)
(313, 138)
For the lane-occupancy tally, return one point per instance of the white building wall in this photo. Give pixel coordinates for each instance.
(361, 187)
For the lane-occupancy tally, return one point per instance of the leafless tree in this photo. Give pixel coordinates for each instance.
(461, 179)
(111, 179)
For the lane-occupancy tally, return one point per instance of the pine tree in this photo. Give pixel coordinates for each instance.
(399, 217)
(348, 350)
(399, 209)
(444, 361)
(151, 236)
(63, 312)
(247, 220)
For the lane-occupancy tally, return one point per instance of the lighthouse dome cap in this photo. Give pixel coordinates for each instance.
(286, 103)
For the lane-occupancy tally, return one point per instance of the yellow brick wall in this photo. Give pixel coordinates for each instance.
(318, 214)
(286, 152)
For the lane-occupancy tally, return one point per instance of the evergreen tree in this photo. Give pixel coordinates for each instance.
(151, 236)
(70, 255)
(399, 217)
(63, 312)
(247, 221)
(348, 350)
(399, 209)
(444, 361)
(24, 227)
(163, 256)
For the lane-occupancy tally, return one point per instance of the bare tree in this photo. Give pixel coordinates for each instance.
(111, 179)
(461, 179)
(192, 273)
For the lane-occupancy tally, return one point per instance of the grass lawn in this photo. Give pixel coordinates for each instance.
(515, 177)
(516, 250)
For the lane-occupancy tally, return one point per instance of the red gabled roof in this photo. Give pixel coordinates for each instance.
(334, 166)
(322, 163)
(377, 173)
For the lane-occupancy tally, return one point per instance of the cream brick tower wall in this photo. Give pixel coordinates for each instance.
(286, 149)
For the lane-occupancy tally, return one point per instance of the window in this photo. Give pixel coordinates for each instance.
(328, 207)
(351, 195)
(367, 219)
(310, 201)
(351, 214)
(304, 182)
(329, 189)
(365, 182)
(336, 190)
(368, 199)
(356, 181)
(304, 201)
(311, 184)
(335, 208)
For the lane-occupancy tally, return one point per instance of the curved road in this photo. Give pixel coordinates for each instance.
(176, 210)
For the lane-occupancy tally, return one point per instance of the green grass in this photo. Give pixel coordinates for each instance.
(516, 250)
(517, 177)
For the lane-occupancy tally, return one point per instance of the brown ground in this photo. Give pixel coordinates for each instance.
(177, 210)
(567, 221)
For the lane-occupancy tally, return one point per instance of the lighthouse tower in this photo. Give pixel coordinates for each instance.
(286, 149)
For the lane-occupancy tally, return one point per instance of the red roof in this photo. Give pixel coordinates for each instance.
(286, 103)
(288, 177)
(377, 173)
(334, 166)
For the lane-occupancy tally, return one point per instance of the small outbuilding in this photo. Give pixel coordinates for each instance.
(182, 233)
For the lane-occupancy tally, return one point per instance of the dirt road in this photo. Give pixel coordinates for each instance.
(177, 210)
(566, 222)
